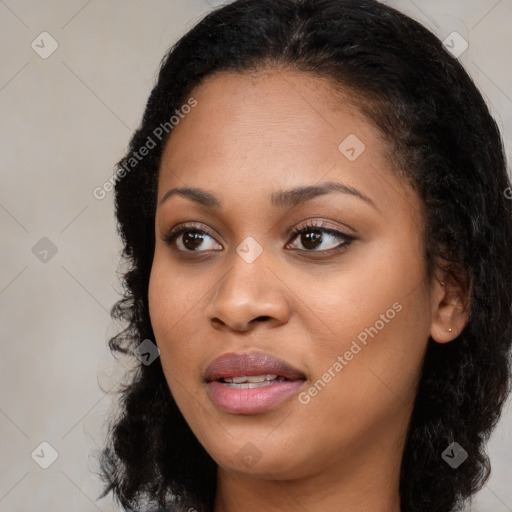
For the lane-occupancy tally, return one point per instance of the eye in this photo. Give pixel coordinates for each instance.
(189, 238)
(317, 238)
(313, 237)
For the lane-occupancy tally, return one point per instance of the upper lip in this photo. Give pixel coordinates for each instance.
(250, 363)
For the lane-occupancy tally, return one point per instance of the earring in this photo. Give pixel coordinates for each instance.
(450, 329)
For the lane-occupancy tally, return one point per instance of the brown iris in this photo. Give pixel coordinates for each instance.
(194, 238)
(311, 239)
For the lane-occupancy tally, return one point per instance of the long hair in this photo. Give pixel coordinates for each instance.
(443, 141)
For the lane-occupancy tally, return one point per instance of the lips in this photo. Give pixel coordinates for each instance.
(232, 365)
(251, 383)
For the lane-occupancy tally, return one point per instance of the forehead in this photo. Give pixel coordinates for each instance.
(274, 128)
(263, 103)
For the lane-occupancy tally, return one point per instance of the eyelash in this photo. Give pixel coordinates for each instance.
(318, 226)
(174, 233)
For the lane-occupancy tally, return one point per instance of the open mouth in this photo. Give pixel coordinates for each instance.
(252, 381)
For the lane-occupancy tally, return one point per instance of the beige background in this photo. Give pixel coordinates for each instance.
(65, 121)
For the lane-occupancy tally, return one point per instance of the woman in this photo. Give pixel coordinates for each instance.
(315, 218)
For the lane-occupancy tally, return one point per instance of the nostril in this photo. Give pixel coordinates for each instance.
(261, 318)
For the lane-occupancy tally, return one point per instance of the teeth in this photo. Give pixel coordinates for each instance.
(249, 385)
(260, 378)
(253, 381)
(251, 378)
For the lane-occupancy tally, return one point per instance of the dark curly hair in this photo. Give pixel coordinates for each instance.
(443, 141)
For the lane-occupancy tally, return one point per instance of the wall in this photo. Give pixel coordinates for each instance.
(65, 121)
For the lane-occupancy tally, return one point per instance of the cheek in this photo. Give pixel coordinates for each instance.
(171, 295)
(378, 317)
(167, 310)
(366, 395)
(174, 304)
(162, 299)
(350, 300)
(381, 338)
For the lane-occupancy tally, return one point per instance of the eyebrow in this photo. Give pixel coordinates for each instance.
(280, 199)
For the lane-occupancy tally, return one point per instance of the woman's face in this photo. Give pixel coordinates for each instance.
(345, 302)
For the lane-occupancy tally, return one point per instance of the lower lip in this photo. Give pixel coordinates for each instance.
(251, 400)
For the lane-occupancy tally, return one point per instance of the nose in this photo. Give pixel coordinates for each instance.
(249, 293)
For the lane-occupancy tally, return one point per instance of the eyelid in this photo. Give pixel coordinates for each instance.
(322, 224)
(169, 236)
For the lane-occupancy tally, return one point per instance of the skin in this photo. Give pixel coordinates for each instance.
(249, 136)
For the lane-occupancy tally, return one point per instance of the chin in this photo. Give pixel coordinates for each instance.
(264, 460)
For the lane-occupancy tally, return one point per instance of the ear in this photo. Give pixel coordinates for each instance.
(450, 305)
